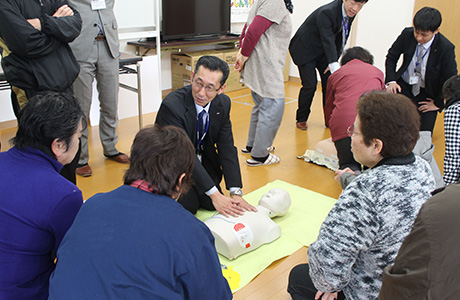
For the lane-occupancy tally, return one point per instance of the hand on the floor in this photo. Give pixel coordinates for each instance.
(326, 296)
(339, 173)
(427, 106)
(226, 205)
(243, 203)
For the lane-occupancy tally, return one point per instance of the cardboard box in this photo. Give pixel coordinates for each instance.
(182, 65)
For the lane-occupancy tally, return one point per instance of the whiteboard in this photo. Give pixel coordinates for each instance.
(135, 18)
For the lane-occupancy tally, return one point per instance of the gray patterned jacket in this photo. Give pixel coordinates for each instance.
(364, 230)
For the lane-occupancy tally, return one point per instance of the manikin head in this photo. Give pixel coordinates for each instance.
(277, 201)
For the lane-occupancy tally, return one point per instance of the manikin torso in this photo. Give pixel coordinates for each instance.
(235, 236)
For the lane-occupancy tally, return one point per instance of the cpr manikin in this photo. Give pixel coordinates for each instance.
(238, 235)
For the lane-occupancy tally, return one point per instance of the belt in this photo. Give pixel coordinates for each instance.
(100, 37)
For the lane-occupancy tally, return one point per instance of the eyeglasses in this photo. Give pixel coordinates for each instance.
(208, 88)
(360, 4)
(351, 130)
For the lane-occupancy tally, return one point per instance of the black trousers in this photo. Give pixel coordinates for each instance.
(68, 171)
(301, 286)
(196, 198)
(345, 155)
(427, 119)
(309, 83)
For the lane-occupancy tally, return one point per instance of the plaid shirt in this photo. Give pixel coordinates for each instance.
(452, 136)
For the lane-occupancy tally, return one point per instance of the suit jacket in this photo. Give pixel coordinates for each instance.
(220, 156)
(81, 47)
(320, 36)
(440, 66)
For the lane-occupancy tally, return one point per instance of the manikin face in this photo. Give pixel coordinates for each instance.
(206, 85)
(352, 7)
(424, 37)
(277, 201)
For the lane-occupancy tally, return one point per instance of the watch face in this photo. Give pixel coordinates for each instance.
(237, 192)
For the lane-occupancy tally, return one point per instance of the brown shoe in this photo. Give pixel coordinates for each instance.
(84, 171)
(119, 158)
(302, 125)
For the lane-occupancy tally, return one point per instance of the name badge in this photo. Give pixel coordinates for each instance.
(98, 4)
(414, 79)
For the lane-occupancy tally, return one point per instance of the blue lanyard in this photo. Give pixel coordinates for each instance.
(346, 26)
(416, 58)
(200, 140)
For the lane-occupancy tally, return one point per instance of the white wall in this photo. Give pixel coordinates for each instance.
(378, 27)
(6, 110)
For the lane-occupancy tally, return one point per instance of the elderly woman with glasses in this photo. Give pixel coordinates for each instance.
(364, 230)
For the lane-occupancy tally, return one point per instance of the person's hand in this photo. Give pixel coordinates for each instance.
(226, 205)
(243, 203)
(35, 23)
(339, 173)
(326, 296)
(427, 106)
(393, 88)
(63, 11)
(240, 61)
(327, 70)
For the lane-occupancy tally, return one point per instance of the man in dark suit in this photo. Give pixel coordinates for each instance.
(318, 44)
(428, 61)
(203, 112)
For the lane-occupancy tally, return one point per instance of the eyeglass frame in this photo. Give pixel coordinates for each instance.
(208, 89)
(351, 130)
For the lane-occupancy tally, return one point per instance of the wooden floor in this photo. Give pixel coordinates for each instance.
(290, 142)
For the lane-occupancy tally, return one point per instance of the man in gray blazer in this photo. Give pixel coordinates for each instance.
(97, 51)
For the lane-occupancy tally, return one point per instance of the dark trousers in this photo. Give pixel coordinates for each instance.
(68, 171)
(346, 159)
(301, 286)
(309, 84)
(193, 200)
(196, 198)
(428, 119)
(15, 104)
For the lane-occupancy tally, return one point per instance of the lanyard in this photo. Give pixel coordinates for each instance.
(200, 140)
(346, 26)
(416, 58)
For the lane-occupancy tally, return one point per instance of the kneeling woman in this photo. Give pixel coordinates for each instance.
(364, 230)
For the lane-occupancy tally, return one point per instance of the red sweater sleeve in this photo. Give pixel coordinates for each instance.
(242, 35)
(258, 26)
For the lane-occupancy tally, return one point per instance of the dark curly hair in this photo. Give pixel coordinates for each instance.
(391, 118)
